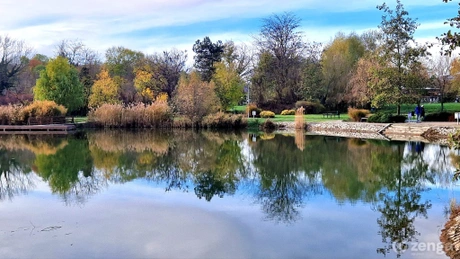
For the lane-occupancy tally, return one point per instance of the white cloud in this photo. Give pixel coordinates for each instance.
(102, 23)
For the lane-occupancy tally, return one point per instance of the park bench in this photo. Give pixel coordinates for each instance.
(46, 120)
(331, 114)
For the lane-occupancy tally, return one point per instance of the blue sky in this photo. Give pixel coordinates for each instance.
(156, 25)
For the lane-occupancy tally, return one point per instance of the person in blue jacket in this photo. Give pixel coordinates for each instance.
(418, 112)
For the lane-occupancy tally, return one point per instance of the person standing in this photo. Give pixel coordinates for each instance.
(418, 110)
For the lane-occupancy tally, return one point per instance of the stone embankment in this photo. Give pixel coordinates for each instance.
(426, 131)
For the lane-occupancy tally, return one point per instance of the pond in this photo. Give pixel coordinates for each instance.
(187, 194)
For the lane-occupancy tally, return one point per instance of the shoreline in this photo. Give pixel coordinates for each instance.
(429, 132)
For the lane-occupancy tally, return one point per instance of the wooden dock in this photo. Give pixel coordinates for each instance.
(37, 129)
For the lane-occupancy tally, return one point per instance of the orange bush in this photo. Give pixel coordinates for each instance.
(357, 114)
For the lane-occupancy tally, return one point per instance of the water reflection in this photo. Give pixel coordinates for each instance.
(400, 201)
(279, 172)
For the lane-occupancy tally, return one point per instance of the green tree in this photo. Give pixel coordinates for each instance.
(122, 63)
(59, 82)
(451, 39)
(401, 202)
(229, 85)
(104, 90)
(62, 169)
(263, 87)
(312, 75)
(206, 54)
(399, 79)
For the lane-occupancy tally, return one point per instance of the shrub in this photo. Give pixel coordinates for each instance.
(382, 117)
(253, 107)
(182, 123)
(155, 115)
(158, 114)
(275, 106)
(107, 115)
(357, 114)
(267, 136)
(43, 109)
(224, 120)
(268, 125)
(288, 112)
(311, 107)
(439, 116)
(267, 114)
(11, 114)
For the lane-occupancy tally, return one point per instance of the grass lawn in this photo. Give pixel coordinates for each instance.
(307, 118)
(287, 118)
(429, 108)
(80, 119)
(239, 108)
(405, 108)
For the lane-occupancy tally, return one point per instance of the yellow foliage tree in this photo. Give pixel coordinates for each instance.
(149, 82)
(104, 90)
(455, 72)
(229, 84)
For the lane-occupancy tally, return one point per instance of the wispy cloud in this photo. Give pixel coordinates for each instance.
(153, 25)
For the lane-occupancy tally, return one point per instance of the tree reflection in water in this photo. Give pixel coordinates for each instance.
(400, 201)
(15, 176)
(280, 172)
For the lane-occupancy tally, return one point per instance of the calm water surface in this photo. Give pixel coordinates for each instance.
(184, 194)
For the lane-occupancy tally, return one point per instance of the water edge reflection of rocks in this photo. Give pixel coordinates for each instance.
(279, 172)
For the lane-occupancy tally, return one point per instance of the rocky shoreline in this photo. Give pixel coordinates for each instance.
(426, 132)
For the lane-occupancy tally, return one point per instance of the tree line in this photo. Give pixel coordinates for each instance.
(379, 67)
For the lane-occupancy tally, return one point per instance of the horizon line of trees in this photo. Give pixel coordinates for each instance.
(373, 69)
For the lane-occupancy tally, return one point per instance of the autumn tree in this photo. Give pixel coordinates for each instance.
(455, 75)
(59, 82)
(195, 98)
(104, 90)
(337, 62)
(170, 64)
(206, 54)
(451, 39)
(359, 93)
(14, 57)
(159, 73)
(22, 91)
(398, 80)
(439, 73)
(281, 72)
(121, 64)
